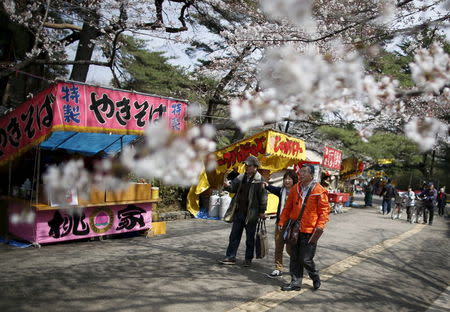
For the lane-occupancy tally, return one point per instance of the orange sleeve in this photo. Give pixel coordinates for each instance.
(323, 210)
(288, 206)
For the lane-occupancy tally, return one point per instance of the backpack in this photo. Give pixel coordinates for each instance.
(390, 191)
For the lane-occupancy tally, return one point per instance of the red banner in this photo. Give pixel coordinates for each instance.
(332, 158)
(84, 108)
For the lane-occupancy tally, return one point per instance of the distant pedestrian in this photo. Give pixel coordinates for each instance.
(251, 202)
(315, 216)
(368, 194)
(441, 201)
(388, 193)
(290, 178)
(429, 196)
(410, 202)
(377, 187)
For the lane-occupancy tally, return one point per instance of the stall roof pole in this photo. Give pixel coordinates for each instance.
(9, 177)
(38, 172)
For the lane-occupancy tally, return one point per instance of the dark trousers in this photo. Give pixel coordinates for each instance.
(409, 210)
(387, 203)
(441, 209)
(302, 255)
(236, 234)
(428, 211)
(368, 197)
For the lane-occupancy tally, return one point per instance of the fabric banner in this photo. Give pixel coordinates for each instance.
(285, 146)
(332, 158)
(264, 145)
(76, 107)
(275, 151)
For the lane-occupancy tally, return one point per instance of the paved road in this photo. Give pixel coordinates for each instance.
(368, 261)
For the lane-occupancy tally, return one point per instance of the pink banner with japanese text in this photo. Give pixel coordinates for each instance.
(67, 106)
(57, 225)
(332, 158)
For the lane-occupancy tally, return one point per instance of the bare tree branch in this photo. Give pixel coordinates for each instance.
(62, 26)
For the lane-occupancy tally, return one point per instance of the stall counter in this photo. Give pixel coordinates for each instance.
(50, 224)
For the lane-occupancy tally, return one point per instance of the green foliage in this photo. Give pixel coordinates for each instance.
(396, 63)
(347, 137)
(393, 65)
(151, 72)
(223, 141)
(379, 146)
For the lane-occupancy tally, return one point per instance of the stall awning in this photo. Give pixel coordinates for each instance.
(88, 144)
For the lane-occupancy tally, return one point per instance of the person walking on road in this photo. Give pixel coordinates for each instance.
(315, 216)
(429, 196)
(410, 202)
(251, 203)
(388, 193)
(290, 178)
(441, 201)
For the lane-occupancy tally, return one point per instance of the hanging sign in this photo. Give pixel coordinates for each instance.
(67, 106)
(332, 158)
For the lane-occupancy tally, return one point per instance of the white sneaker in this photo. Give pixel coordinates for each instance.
(275, 273)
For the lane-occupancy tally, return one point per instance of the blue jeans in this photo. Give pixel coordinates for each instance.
(387, 203)
(236, 234)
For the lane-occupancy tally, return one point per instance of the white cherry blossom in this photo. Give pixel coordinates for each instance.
(431, 68)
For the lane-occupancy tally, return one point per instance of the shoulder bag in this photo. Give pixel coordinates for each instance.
(292, 229)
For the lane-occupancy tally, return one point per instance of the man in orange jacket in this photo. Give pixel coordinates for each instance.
(315, 216)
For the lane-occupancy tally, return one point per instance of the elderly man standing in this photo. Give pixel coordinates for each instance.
(315, 215)
(251, 202)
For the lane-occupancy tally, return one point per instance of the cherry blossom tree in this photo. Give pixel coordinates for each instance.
(275, 61)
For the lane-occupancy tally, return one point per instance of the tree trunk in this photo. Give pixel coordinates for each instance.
(85, 47)
(433, 154)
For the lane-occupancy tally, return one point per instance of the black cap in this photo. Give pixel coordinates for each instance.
(252, 161)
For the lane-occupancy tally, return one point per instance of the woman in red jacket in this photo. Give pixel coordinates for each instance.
(315, 216)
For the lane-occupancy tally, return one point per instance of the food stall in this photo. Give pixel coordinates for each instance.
(351, 171)
(275, 151)
(74, 120)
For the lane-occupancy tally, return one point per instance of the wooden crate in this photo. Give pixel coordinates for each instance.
(135, 191)
(96, 196)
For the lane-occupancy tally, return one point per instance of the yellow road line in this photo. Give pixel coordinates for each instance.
(274, 298)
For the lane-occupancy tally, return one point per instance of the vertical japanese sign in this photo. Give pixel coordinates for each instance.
(80, 107)
(332, 158)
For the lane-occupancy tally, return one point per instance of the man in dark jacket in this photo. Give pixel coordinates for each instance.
(251, 203)
(429, 196)
(388, 193)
